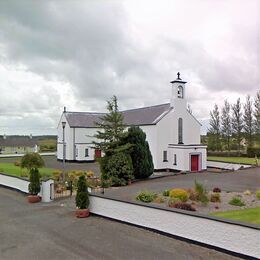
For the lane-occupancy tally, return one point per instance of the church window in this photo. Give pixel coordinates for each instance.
(180, 131)
(175, 159)
(165, 156)
(86, 152)
(180, 92)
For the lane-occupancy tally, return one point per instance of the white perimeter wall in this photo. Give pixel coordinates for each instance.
(227, 166)
(236, 238)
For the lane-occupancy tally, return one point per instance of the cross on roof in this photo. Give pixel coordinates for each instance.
(178, 74)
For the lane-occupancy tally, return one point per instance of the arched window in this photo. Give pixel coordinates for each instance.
(180, 131)
(180, 92)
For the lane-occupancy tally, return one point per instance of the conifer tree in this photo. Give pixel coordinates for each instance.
(257, 116)
(248, 121)
(226, 129)
(237, 123)
(214, 130)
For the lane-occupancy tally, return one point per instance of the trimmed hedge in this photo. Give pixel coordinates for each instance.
(253, 151)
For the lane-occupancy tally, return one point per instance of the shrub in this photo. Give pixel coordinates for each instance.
(180, 194)
(82, 199)
(215, 197)
(247, 192)
(32, 160)
(166, 193)
(56, 174)
(184, 206)
(192, 195)
(258, 194)
(173, 201)
(253, 151)
(202, 194)
(236, 201)
(24, 174)
(34, 185)
(119, 169)
(17, 163)
(146, 196)
(216, 189)
(159, 199)
(90, 174)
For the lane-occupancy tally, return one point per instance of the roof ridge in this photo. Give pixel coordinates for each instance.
(143, 107)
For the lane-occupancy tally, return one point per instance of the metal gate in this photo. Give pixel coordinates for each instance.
(63, 189)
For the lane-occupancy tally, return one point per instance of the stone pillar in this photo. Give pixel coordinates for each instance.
(47, 190)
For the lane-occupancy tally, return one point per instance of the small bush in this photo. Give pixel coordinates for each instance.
(166, 193)
(159, 199)
(173, 201)
(24, 174)
(82, 199)
(216, 189)
(247, 192)
(184, 206)
(146, 196)
(17, 163)
(236, 201)
(180, 194)
(215, 197)
(192, 195)
(56, 174)
(258, 194)
(34, 185)
(253, 151)
(32, 160)
(201, 193)
(90, 174)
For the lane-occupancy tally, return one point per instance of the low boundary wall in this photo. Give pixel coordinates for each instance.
(227, 165)
(21, 184)
(226, 235)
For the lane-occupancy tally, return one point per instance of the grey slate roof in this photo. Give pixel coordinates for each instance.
(17, 141)
(139, 116)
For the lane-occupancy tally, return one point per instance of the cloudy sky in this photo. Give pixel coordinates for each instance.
(79, 53)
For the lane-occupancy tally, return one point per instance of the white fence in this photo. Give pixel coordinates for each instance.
(229, 236)
(47, 187)
(227, 166)
(22, 154)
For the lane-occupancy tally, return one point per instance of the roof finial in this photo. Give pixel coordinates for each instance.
(178, 74)
(64, 109)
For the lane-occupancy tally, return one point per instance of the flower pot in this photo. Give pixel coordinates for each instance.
(82, 213)
(33, 198)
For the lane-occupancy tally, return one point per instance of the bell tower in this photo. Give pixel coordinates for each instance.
(178, 93)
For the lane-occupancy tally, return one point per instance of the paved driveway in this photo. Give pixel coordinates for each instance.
(51, 231)
(241, 180)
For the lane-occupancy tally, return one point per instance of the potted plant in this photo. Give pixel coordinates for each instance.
(34, 186)
(33, 161)
(82, 199)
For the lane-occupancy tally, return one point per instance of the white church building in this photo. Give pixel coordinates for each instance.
(172, 132)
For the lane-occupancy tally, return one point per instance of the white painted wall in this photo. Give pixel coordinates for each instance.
(22, 185)
(236, 238)
(227, 166)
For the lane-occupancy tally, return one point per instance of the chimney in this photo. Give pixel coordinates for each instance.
(4, 136)
(64, 110)
(30, 136)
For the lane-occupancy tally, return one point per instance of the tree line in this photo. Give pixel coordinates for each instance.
(233, 123)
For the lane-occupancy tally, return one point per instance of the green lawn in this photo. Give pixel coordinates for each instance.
(11, 169)
(243, 160)
(244, 215)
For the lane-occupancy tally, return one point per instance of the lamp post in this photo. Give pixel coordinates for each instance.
(63, 157)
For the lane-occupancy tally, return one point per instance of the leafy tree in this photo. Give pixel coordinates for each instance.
(82, 199)
(237, 123)
(34, 185)
(248, 121)
(214, 130)
(257, 116)
(140, 153)
(32, 161)
(226, 129)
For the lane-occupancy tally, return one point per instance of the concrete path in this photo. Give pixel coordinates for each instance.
(51, 231)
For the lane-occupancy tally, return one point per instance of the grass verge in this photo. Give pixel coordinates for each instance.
(251, 215)
(242, 160)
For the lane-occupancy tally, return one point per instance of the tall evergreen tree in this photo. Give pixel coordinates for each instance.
(214, 130)
(140, 153)
(111, 129)
(237, 123)
(257, 116)
(226, 129)
(248, 121)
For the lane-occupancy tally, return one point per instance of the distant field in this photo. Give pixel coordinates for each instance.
(47, 145)
(242, 160)
(11, 169)
(244, 215)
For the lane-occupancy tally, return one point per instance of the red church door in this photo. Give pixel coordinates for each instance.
(97, 153)
(194, 163)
